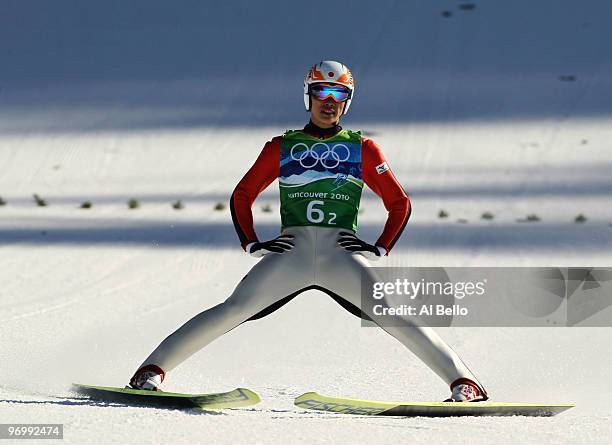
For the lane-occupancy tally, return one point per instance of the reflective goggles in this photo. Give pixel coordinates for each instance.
(322, 91)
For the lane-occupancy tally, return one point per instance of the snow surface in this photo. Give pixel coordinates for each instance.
(109, 103)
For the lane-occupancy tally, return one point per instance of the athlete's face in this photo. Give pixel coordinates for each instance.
(325, 113)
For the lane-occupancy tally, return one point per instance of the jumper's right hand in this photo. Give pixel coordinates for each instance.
(280, 244)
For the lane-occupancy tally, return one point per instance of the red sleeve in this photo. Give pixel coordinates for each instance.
(378, 176)
(265, 170)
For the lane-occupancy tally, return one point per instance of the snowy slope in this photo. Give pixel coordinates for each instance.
(117, 102)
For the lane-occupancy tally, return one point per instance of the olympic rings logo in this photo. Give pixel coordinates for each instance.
(329, 158)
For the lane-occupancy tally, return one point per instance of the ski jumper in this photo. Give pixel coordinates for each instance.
(320, 180)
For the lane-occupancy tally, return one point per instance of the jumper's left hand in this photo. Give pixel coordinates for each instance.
(350, 242)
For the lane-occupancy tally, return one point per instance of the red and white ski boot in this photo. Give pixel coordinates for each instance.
(147, 378)
(465, 390)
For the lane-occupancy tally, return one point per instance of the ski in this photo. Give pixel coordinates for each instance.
(312, 400)
(232, 399)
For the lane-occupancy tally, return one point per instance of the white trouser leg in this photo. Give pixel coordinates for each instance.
(341, 272)
(274, 277)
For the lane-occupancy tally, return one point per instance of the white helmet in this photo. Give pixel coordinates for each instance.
(329, 71)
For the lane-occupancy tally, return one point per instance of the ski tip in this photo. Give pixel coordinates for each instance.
(250, 394)
(306, 396)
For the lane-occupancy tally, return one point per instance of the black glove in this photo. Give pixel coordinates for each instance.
(353, 244)
(280, 244)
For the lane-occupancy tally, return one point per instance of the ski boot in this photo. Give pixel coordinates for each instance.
(148, 378)
(465, 390)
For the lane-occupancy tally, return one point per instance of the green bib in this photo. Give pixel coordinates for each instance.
(320, 180)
